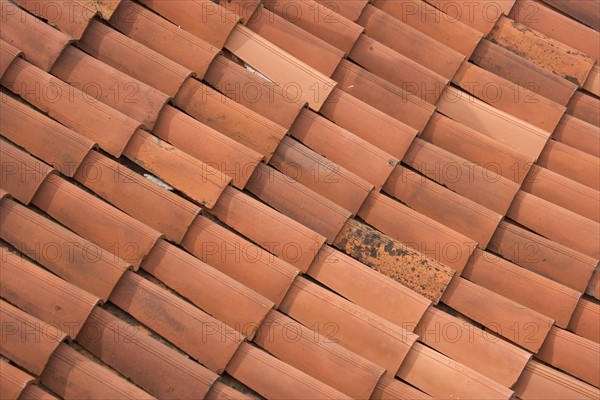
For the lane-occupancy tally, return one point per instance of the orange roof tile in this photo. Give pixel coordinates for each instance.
(585, 321)
(70, 17)
(9, 53)
(13, 380)
(578, 134)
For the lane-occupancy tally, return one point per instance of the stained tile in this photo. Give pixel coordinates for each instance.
(13, 380)
(350, 9)
(391, 389)
(578, 134)
(585, 321)
(8, 53)
(584, 11)
(106, 8)
(70, 17)
(592, 84)
(585, 107)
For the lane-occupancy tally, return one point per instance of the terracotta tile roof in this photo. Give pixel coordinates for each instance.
(299, 199)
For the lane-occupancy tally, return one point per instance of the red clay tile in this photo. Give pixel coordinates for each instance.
(498, 314)
(27, 341)
(350, 9)
(22, 175)
(383, 95)
(321, 175)
(71, 375)
(309, 85)
(160, 35)
(425, 235)
(583, 11)
(70, 17)
(161, 311)
(242, 260)
(298, 202)
(243, 8)
(484, 186)
(42, 294)
(203, 18)
(94, 120)
(571, 163)
(407, 74)
(585, 321)
(273, 378)
(473, 347)
(573, 354)
(214, 292)
(492, 122)
(112, 230)
(43, 137)
(301, 44)
(280, 235)
(524, 287)
(8, 53)
(319, 20)
(481, 15)
(556, 223)
(130, 57)
(368, 123)
(410, 42)
(389, 257)
(551, 23)
(563, 192)
(200, 181)
(149, 203)
(523, 72)
(578, 134)
(12, 381)
(543, 256)
(60, 250)
(443, 205)
(230, 118)
(106, 8)
(319, 355)
(549, 54)
(593, 288)
(592, 84)
(207, 145)
(539, 381)
(35, 392)
(476, 147)
(106, 84)
(221, 391)
(274, 102)
(157, 368)
(451, 380)
(392, 389)
(343, 148)
(508, 97)
(432, 22)
(40, 43)
(585, 107)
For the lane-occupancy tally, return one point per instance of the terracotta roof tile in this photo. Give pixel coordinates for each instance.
(136, 60)
(207, 288)
(321, 175)
(343, 147)
(279, 234)
(40, 43)
(443, 205)
(388, 257)
(8, 53)
(303, 45)
(137, 196)
(69, 374)
(481, 16)
(110, 86)
(28, 341)
(523, 72)
(44, 295)
(543, 256)
(410, 42)
(200, 181)
(593, 288)
(273, 378)
(524, 287)
(391, 389)
(43, 137)
(425, 235)
(570, 162)
(230, 118)
(94, 120)
(585, 321)
(60, 250)
(240, 259)
(22, 175)
(584, 11)
(592, 84)
(578, 134)
(452, 378)
(35, 392)
(507, 318)
(221, 391)
(585, 107)
(106, 8)
(318, 355)
(318, 20)
(12, 380)
(475, 348)
(243, 8)
(355, 328)
(114, 231)
(216, 22)
(160, 35)
(432, 22)
(310, 85)
(383, 95)
(350, 9)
